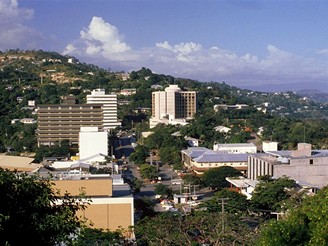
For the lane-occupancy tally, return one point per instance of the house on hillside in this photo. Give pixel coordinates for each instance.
(222, 129)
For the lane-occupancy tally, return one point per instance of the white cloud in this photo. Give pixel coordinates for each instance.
(102, 40)
(14, 32)
(323, 52)
(182, 48)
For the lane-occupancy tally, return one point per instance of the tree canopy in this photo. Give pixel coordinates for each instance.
(235, 203)
(215, 178)
(269, 193)
(304, 225)
(148, 171)
(30, 213)
(201, 228)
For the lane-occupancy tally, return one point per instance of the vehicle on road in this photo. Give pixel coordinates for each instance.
(176, 181)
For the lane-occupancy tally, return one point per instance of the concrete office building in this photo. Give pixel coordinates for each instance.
(309, 167)
(109, 106)
(173, 106)
(57, 122)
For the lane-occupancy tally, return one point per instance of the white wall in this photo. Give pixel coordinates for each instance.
(92, 144)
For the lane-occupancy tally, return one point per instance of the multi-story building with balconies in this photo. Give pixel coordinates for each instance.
(109, 106)
(173, 106)
(57, 122)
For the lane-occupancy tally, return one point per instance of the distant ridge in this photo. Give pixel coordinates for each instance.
(319, 86)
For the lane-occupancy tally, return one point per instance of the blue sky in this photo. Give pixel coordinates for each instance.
(242, 42)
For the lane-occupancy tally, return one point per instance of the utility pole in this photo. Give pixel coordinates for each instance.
(223, 202)
(151, 158)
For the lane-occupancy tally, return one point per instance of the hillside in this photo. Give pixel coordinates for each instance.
(314, 95)
(44, 77)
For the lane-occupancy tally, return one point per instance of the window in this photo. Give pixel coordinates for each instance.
(311, 161)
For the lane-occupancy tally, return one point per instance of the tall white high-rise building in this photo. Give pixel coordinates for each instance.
(173, 106)
(109, 102)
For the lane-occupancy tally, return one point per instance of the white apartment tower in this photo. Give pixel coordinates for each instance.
(173, 106)
(109, 102)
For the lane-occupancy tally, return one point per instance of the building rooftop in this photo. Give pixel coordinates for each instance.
(19, 163)
(194, 152)
(221, 156)
(288, 154)
(202, 154)
(236, 145)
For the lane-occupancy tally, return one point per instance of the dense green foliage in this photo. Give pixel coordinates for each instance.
(163, 190)
(200, 228)
(215, 178)
(141, 152)
(30, 214)
(269, 193)
(90, 237)
(234, 202)
(148, 171)
(304, 225)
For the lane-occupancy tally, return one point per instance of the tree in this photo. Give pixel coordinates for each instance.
(192, 179)
(92, 236)
(170, 155)
(215, 178)
(30, 212)
(269, 193)
(236, 202)
(163, 190)
(199, 228)
(148, 171)
(304, 225)
(139, 155)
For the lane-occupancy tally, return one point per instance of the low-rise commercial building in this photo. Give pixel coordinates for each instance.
(236, 148)
(200, 159)
(110, 206)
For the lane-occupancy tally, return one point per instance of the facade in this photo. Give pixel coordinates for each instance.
(218, 107)
(200, 159)
(109, 208)
(109, 106)
(238, 148)
(93, 144)
(269, 146)
(304, 165)
(173, 106)
(128, 92)
(57, 122)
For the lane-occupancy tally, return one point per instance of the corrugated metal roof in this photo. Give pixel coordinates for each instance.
(194, 152)
(221, 156)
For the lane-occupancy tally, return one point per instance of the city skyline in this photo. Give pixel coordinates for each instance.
(244, 43)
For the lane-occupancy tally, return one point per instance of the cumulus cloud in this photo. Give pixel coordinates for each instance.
(189, 59)
(99, 38)
(13, 30)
